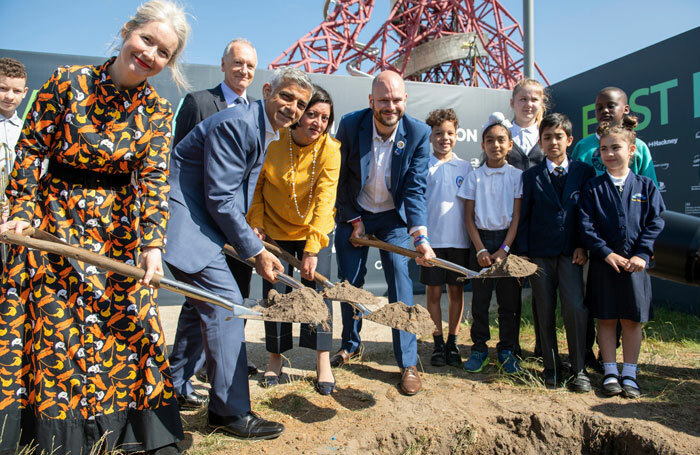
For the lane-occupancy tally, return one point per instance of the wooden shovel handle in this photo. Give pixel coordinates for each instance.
(275, 249)
(373, 241)
(61, 248)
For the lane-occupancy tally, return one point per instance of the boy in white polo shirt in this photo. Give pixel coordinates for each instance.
(449, 239)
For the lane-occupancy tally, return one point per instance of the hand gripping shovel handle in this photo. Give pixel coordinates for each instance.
(41, 240)
(284, 278)
(364, 241)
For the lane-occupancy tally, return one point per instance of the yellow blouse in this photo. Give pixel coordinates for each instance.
(274, 208)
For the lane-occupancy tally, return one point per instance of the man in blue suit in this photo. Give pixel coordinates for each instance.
(213, 173)
(384, 162)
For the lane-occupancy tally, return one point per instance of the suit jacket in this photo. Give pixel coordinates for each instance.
(518, 159)
(627, 223)
(213, 172)
(409, 166)
(549, 225)
(196, 107)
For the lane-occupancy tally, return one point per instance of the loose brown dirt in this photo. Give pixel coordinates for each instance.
(346, 292)
(414, 319)
(511, 266)
(300, 305)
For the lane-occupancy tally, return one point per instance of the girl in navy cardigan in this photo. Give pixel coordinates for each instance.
(620, 220)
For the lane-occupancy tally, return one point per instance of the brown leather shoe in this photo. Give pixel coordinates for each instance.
(342, 357)
(410, 381)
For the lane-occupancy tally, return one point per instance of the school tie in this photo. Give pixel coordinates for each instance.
(559, 171)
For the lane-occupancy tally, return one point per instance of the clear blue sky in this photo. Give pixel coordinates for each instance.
(571, 36)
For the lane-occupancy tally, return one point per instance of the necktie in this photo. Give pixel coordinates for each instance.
(239, 100)
(559, 171)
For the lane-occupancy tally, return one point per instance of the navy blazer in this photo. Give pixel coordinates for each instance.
(196, 107)
(627, 223)
(409, 166)
(549, 226)
(213, 172)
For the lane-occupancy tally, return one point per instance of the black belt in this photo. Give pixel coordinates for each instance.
(86, 178)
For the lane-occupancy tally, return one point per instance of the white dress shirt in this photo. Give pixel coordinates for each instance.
(10, 129)
(375, 196)
(564, 164)
(526, 138)
(230, 96)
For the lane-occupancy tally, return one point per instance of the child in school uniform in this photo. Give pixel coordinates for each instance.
(492, 196)
(620, 220)
(610, 107)
(529, 102)
(548, 235)
(446, 174)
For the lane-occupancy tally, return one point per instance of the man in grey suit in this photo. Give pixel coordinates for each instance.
(213, 172)
(238, 64)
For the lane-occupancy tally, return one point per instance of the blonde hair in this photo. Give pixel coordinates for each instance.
(545, 95)
(170, 13)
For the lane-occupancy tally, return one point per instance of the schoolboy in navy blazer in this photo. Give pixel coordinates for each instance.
(548, 233)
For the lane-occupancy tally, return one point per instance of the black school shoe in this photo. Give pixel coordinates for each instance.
(628, 390)
(452, 355)
(438, 358)
(580, 382)
(611, 389)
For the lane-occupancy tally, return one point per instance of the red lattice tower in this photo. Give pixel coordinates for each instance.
(458, 42)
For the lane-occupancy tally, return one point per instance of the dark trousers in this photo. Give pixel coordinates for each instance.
(222, 338)
(559, 272)
(507, 296)
(190, 317)
(352, 266)
(278, 335)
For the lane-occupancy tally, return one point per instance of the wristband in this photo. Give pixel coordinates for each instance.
(420, 242)
(483, 250)
(505, 248)
(356, 220)
(420, 239)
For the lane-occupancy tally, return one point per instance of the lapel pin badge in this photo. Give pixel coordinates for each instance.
(399, 147)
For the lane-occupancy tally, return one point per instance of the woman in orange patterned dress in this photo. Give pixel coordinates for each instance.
(82, 351)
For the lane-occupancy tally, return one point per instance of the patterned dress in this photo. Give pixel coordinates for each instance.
(82, 351)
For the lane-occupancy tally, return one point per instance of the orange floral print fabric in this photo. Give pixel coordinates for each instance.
(77, 342)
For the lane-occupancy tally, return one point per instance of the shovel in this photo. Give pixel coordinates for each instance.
(320, 279)
(42, 240)
(373, 241)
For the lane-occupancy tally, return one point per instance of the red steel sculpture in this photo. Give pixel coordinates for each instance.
(458, 42)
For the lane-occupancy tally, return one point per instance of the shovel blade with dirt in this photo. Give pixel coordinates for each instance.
(395, 315)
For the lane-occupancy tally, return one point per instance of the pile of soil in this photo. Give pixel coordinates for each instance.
(511, 266)
(346, 292)
(414, 319)
(300, 305)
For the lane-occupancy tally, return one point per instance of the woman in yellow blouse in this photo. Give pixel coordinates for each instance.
(294, 206)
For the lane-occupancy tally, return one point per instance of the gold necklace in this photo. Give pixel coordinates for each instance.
(313, 174)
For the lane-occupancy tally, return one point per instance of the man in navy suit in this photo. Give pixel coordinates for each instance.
(384, 162)
(213, 173)
(238, 64)
(548, 233)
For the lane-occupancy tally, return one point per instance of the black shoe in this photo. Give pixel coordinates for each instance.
(452, 355)
(246, 426)
(171, 449)
(193, 400)
(550, 378)
(629, 390)
(580, 382)
(252, 369)
(437, 358)
(612, 388)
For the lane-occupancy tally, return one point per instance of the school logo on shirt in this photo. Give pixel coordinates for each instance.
(459, 181)
(638, 197)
